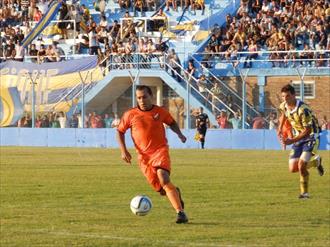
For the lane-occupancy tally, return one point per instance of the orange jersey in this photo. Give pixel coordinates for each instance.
(287, 129)
(147, 129)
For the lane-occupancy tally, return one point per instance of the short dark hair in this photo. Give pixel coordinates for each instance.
(144, 88)
(288, 88)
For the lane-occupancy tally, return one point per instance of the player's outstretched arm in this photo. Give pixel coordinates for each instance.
(125, 155)
(175, 128)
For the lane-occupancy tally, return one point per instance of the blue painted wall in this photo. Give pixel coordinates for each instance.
(105, 138)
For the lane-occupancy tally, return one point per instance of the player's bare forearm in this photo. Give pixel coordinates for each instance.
(299, 137)
(175, 128)
(282, 119)
(125, 155)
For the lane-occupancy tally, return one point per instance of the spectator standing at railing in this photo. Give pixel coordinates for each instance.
(116, 121)
(202, 88)
(62, 119)
(252, 49)
(19, 52)
(236, 120)
(64, 16)
(191, 72)
(51, 54)
(216, 93)
(223, 120)
(33, 52)
(41, 54)
(273, 121)
(38, 122)
(174, 63)
(93, 40)
(324, 123)
(107, 121)
(259, 121)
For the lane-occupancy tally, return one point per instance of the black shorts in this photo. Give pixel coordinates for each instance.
(202, 131)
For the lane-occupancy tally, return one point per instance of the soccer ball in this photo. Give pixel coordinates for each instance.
(141, 205)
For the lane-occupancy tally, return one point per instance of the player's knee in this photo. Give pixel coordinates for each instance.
(293, 165)
(163, 176)
(169, 187)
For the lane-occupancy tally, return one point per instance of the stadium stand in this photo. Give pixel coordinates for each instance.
(176, 36)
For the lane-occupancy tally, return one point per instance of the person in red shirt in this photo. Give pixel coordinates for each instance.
(259, 121)
(146, 122)
(37, 14)
(223, 121)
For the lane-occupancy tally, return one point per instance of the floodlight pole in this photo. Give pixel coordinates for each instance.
(33, 101)
(83, 98)
(188, 104)
(243, 77)
(302, 86)
(135, 81)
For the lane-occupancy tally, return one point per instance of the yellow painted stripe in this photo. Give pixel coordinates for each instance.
(8, 107)
(40, 25)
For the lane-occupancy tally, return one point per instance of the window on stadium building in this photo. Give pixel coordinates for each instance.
(309, 89)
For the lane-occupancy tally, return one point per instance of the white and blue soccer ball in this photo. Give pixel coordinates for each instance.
(141, 205)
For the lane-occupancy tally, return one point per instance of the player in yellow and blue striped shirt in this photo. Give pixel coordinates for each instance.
(305, 139)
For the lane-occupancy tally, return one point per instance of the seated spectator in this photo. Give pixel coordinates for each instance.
(124, 4)
(138, 5)
(159, 21)
(171, 2)
(198, 4)
(152, 5)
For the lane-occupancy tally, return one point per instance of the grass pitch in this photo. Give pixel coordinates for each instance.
(80, 197)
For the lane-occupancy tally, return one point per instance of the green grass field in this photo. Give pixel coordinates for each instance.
(80, 197)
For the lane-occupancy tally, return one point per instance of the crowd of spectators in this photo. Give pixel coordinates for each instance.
(60, 120)
(277, 26)
(113, 40)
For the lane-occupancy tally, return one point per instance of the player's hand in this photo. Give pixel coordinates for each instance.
(126, 156)
(183, 138)
(287, 141)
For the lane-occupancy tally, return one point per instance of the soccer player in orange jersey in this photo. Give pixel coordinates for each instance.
(284, 131)
(146, 122)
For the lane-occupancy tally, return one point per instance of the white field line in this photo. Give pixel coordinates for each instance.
(102, 236)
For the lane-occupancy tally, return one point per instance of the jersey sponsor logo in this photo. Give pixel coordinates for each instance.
(156, 116)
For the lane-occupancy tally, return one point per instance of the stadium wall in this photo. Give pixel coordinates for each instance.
(105, 138)
(267, 95)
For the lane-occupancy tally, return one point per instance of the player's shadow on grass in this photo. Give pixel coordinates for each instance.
(201, 223)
